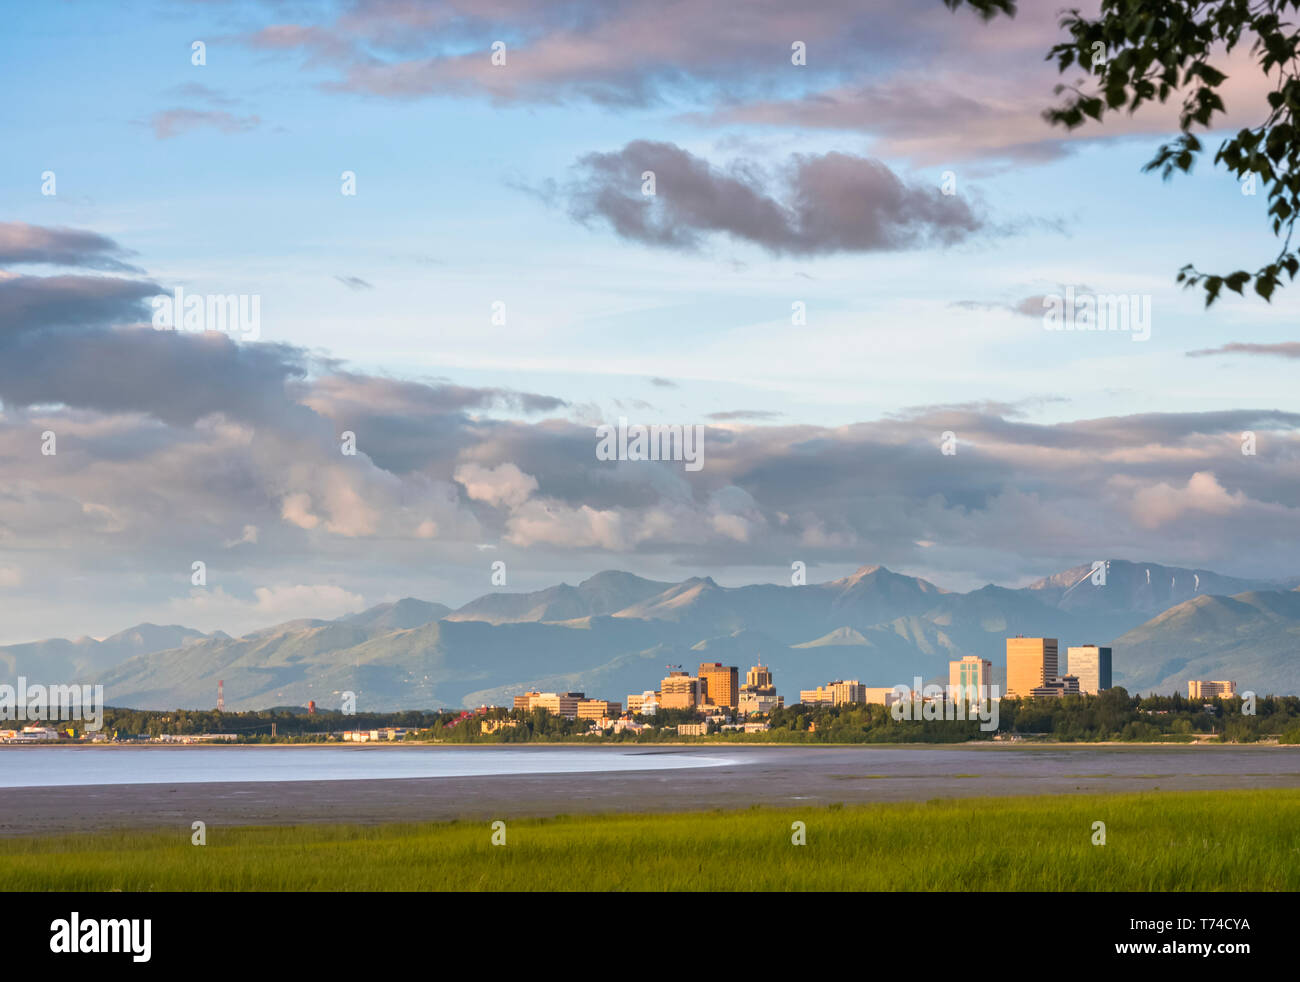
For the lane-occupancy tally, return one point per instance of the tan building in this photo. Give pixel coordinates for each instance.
(879, 696)
(692, 729)
(837, 693)
(754, 703)
(559, 703)
(1054, 688)
(599, 709)
(1031, 662)
(721, 686)
(680, 691)
(1090, 663)
(970, 677)
(758, 694)
(525, 702)
(1199, 689)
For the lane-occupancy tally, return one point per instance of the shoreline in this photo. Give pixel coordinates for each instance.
(591, 745)
(752, 775)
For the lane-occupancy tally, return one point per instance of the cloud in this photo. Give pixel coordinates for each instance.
(167, 123)
(172, 446)
(1280, 349)
(743, 414)
(354, 283)
(816, 204)
(611, 53)
(247, 537)
(504, 485)
(1160, 504)
(21, 243)
(269, 605)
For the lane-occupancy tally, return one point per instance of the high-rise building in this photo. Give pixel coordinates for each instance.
(720, 684)
(1199, 689)
(1031, 662)
(1091, 663)
(969, 677)
(758, 694)
(681, 691)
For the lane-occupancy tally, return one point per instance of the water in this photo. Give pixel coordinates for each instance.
(50, 767)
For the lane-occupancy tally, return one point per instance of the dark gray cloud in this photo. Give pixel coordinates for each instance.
(21, 244)
(1280, 349)
(738, 415)
(355, 283)
(827, 203)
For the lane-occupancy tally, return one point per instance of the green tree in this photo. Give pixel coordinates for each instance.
(1140, 51)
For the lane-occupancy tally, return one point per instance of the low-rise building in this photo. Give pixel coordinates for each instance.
(879, 695)
(755, 704)
(837, 693)
(556, 703)
(692, 729)
(598, 708)
(1199, 689)
(1054, 688)
(374, 736)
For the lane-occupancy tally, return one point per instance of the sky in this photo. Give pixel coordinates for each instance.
(500, 284)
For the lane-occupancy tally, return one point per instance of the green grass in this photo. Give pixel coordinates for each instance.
(1214, 840)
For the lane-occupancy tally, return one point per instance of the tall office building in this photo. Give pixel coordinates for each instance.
(970, 676)
(721, 686)
(1030, 663)
(1091, 664)
(759, 679)
(758, 694)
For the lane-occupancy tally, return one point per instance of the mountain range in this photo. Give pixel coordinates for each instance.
(617, 633)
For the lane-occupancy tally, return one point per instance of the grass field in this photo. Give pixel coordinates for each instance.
(1215, 840)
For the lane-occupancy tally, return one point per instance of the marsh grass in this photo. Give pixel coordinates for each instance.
(1197, 841)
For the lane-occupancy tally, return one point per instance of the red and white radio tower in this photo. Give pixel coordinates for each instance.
(221, 696)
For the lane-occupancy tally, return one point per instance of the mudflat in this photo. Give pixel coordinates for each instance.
(752, 776)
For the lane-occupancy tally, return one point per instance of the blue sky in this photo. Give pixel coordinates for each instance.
(465, 197)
